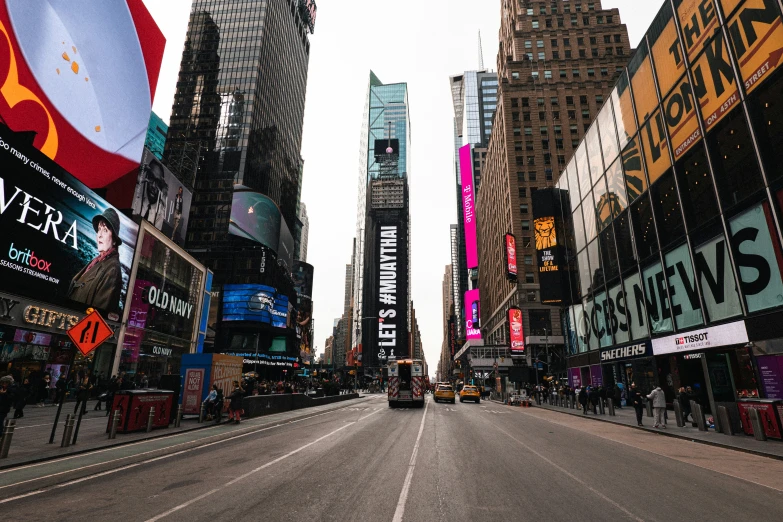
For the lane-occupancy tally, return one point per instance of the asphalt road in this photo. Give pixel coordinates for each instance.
(442, 463)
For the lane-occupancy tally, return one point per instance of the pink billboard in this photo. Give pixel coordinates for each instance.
(468, 205)
(472, 315)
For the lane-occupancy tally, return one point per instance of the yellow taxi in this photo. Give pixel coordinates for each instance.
(469, 393)
(444, 392)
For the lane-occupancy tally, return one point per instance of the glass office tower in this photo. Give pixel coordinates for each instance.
(674, 202)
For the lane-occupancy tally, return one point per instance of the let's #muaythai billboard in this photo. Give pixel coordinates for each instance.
(60, 242)
(388, 282)
(162, 199)
(82, 78)
(256, 217)
(468, 204)
(472, 315)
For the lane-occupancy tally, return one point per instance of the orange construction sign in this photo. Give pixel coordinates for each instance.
(90, 333)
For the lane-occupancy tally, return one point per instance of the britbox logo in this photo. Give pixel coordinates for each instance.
(27, 257)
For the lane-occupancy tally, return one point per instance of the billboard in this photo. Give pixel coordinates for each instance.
(256, 217)
(511, 256)
(468, 204)
(392, 297)
(472, 314)
(303, 284)
(62, 72)
(60, 243)
(257, 303)
(550, 252)
(161, 199)
(516, 331)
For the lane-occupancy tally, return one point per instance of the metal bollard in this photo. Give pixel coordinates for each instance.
(178, 422)
(610, 407)
(649, 408)
(678, 414)
(115, 421)
(150, 419)
(698, 414)
(67, 431)
(8, 434)
(725, 421)
(755, 422)
(202, 413)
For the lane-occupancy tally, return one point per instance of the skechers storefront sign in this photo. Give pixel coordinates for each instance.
(648, 306)
(627, 352)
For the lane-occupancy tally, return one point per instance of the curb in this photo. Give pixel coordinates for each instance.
(161, 434)
(669, 434)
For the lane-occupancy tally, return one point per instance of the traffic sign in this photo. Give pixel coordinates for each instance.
(90, 333)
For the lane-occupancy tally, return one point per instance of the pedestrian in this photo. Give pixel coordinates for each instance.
(618, 396)
(144, 381)
(659, 406)
(235, 404)
(583, 400)
(602, 395)
(112, 388)
(7, 390)
(637, 402)
(83, 388)
(685, 403)
(594, 397)
(60, 387)
(21, 393)
(43, 390)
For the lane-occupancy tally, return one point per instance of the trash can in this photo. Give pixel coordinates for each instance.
(134, 406)
(769, 411)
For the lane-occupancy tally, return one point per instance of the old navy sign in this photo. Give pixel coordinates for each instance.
(722, 335)
(627, 352)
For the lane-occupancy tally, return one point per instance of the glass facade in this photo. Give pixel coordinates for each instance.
(676, 189)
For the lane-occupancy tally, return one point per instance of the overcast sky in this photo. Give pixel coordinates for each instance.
(414, 41)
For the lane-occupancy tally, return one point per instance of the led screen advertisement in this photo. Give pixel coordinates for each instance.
(61, 69)
(472, 314)
(468, 204)
(162, 199)
(303, 284)
(256, 303)
(256, 217)
(391, 276)
(516, 332)
(60, 241)
(552, 274)
(510, 244)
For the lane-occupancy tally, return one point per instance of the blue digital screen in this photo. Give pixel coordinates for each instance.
(257, 303)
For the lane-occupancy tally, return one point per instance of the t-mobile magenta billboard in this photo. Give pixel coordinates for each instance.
(472, 315)
(468, 204)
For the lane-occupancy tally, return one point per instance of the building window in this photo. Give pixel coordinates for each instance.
(531, 161)
(590, 73)
(607, 38)
(563, 74)
(547, 75)
(568, 53)
(517, 131)
(586, 20)
(525, 116)
(530, 11)
(600, 20)
(604, 71)
(515, 75)
(555, 55)
(520, 176)
(528, 131)
(530, 278)
(544, 130)
(555, 115)
(582, 53)
(580, 41)
(619, 51)
(575, 73)
(531, 176)
(594, 52)
(560, 22)
(523, 193)
(567, 42)
(528, 260)
(528, 44)
(525, 225)
(599, 100)
(526, 242)
(535, 24)
(534, 75)
(541, 55)
(523, 208)
(540, 44)
(548, 23)
(525, 102)
(617, 38)
(553, 43)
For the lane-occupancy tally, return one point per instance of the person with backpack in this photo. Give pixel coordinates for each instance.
(659, 406)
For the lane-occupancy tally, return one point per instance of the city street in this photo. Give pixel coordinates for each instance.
(365, 461)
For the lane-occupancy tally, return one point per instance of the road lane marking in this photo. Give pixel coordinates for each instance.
(400, 511)
(249, 473)
(569, 474)
(369, 415)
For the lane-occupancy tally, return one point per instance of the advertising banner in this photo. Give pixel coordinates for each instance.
(392, 297)
(162, 199)
(472, 314)
(516, 332)
(757, 38)
(771, 372)
(303, 284)
(192, 391)
(596, 375)
(468, 204)
(623, 353)
(62, 71)
(60, 240)
(225, 370)
(574, 378)
(257, 303)
(166, 291)
(511, 256)
(703, 339)
(256, 217)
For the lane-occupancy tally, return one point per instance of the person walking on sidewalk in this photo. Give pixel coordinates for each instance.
(60, 387)
(583, 400)
(20, 400)
(594, 397)
(659, 406)
(685, 403)
(43, 389)
(637, 401)
(7, 390)
(235, 406)
(82, 394)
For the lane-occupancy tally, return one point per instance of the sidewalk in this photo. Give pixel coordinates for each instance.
(627, 417)
(30, 442)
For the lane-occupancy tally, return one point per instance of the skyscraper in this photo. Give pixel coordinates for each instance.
(557, 62)
(302, 254)
(382, 249)
(240, 102)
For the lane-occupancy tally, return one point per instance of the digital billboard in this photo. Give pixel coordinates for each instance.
(62, 69)
(516, 332)
(303, 284)
(256, 217)
(391, 262)
(60, 241)
(510, 244)
(552, 274)
(468, 204)
(162, 199)
(257, 303)
(472, 314)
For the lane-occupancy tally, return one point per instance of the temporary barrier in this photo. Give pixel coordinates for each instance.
(135, 406)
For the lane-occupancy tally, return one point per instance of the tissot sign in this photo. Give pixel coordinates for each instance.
(706, 338)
